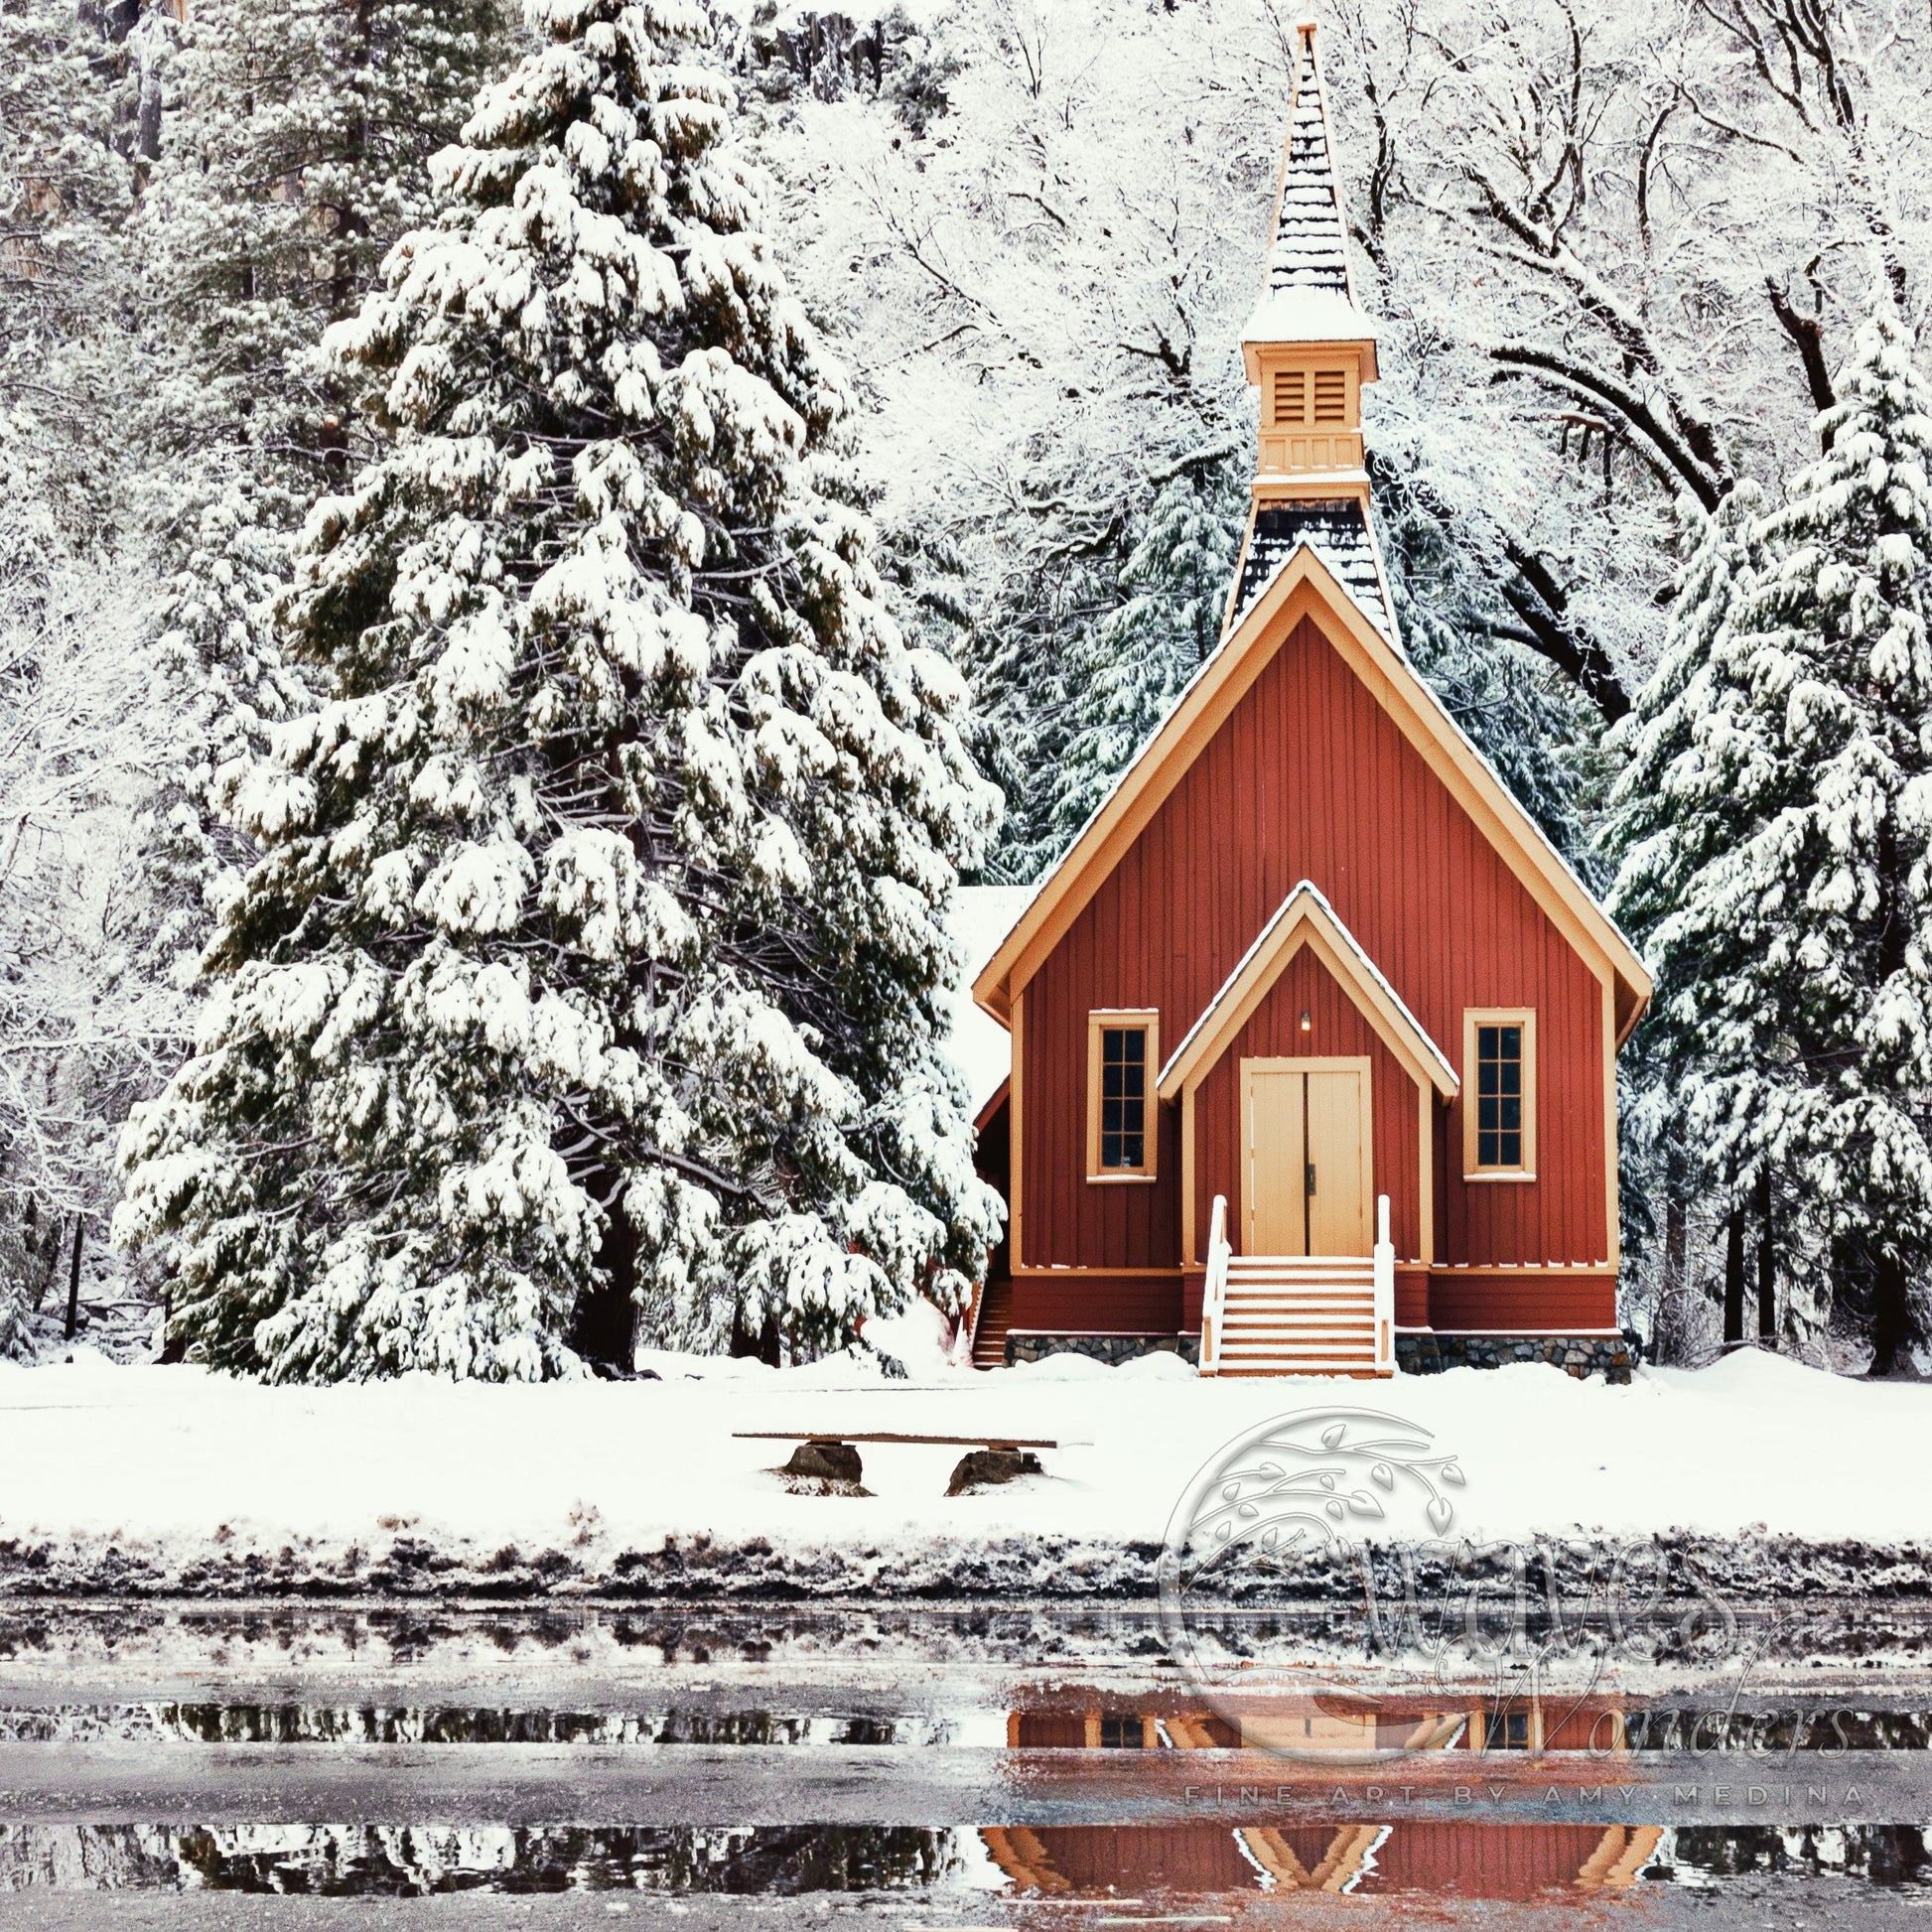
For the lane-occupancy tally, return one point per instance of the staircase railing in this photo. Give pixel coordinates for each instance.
(1215, 1292)
(1384, 1289)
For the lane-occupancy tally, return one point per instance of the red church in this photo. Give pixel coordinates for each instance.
(1314, 1033)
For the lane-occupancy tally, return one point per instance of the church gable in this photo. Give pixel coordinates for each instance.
(1307, 776)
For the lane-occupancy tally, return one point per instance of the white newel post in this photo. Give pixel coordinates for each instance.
(1384, 1289)
(1214, 1291)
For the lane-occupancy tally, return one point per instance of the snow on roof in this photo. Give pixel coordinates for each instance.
(982, 1048)
(1311, 252)
(1336, 530)
(1302, 316)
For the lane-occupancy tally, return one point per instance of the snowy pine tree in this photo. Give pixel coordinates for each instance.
(65, 190)
(1820, 918)
(1127, 672)
(593, 955)
(1694, 768)
(297, 151)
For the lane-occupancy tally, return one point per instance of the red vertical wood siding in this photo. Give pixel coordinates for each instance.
(1483, 1861)
(1336, 1030)
(1309, 778)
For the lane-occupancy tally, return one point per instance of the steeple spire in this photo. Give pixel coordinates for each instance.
(1309, 254)
(1308, 346)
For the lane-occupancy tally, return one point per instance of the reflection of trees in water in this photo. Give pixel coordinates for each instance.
(1778, 1733)
(321, 1724)
(409, 1860)
(406, 1861)
(1883, 1854)
(87, 1858)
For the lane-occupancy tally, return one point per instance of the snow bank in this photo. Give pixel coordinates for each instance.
(137, 1471)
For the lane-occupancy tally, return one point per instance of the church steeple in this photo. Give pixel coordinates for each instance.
(1308, 346)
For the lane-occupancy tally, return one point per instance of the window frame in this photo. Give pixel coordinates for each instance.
(1101, 1020)
(1473, 1018)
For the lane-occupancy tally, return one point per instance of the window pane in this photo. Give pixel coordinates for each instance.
(1499, 1096)
(1123, 1097)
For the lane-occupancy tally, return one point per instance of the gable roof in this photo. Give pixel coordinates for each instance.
(1304, 585)
(1304, 918)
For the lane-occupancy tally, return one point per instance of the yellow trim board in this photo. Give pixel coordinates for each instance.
(1099, 1020)
(1525, 1017)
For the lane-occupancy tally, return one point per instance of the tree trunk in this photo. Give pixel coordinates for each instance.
(1668, 1342)
(1735, 1278)
(74, 1282)
(603, 1325)
(1893, 1328)
(174, 1349)
(1767, 1264)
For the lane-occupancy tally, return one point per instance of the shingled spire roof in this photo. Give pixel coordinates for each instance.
(1306, 293)
(1310, 250)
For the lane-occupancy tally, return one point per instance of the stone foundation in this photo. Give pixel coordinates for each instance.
(1111, 1349)
(1610, 1356)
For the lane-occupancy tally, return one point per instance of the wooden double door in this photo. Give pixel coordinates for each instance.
(1304, 1157)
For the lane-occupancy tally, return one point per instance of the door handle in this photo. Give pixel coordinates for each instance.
(1310, 1178)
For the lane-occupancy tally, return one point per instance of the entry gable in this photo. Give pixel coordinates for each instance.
(1306, 918)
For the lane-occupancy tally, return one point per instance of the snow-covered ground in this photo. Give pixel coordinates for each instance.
(154, 1471)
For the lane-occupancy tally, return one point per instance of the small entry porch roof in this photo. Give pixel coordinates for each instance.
(1306, 918)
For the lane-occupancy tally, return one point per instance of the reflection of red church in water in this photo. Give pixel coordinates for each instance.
(1467, 1859)
(1504, 1862)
